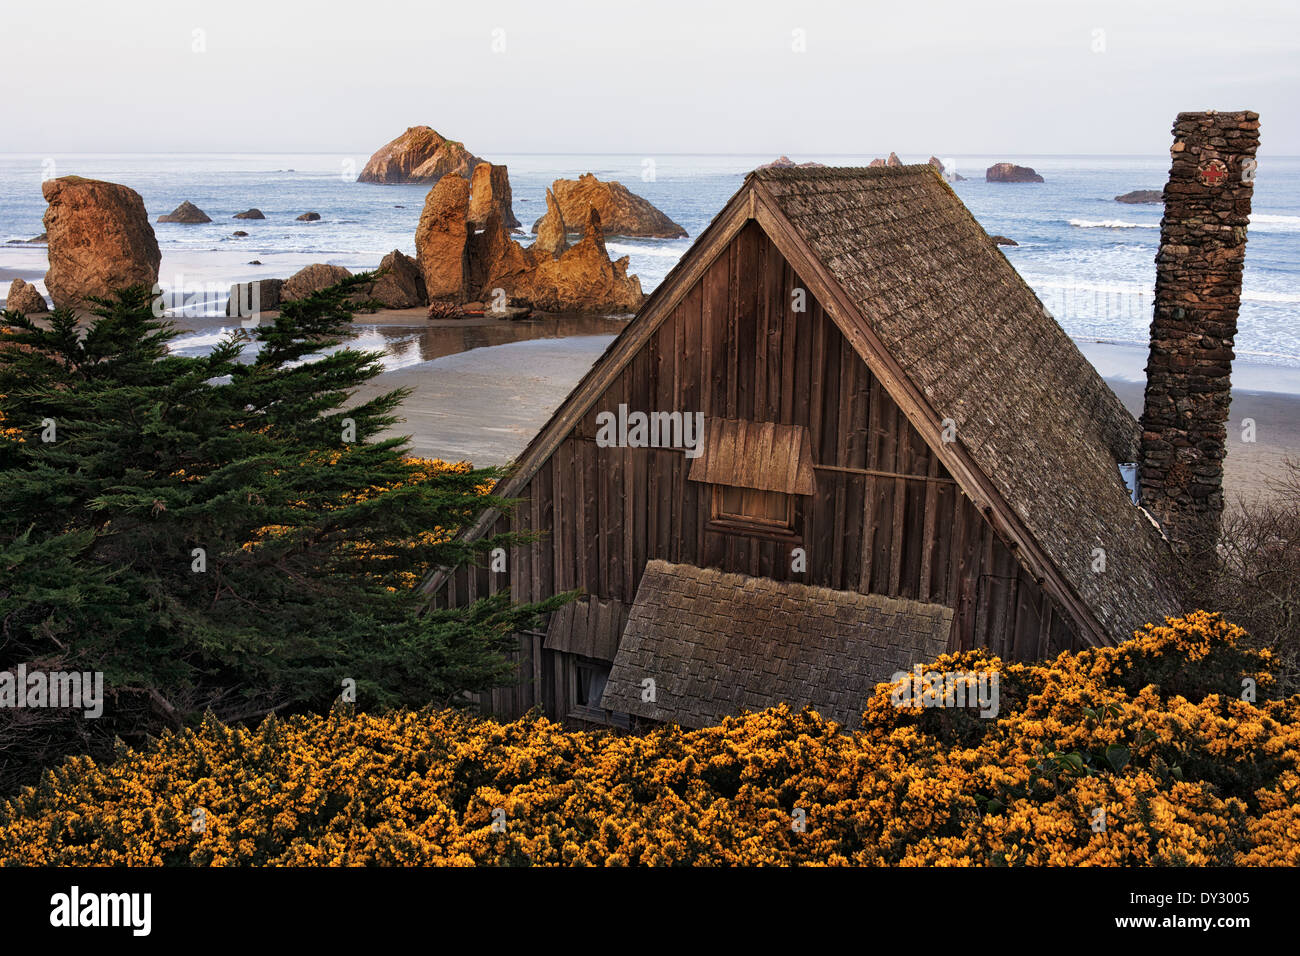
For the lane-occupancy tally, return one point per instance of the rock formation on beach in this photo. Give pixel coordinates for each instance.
(622, 212)
(582, 279)
(462, 265)
(100, 239)
(261, 295)
(311, 279)
(490, 189)
(442, 240)
(420, 155)
(496, 261)
(1003, 241)
(249, 214)
(187, 213)
(552, 234)
(401, 285)
(25, 299)
(309, 217)
(1142, 196)
(239, 234)
(1011, 173)
(34, 241)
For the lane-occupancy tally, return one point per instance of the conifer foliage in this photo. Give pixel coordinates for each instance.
(223, 532)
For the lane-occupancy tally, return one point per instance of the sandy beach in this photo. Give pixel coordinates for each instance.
(485, 405)
(1266, 394)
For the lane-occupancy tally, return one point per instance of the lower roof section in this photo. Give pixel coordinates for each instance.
(715, 643)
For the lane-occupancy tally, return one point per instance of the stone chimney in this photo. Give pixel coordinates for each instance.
(1198, 292)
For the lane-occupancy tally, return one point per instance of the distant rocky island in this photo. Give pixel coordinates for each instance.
(186, 212)
(1142, 196)
(785, 162)
(423, 155)
(420, 155)
(1011, 173)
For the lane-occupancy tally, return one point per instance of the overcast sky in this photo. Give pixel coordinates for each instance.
(658, 76)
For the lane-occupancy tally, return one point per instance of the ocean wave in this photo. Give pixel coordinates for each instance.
(660, 252)
(1282, 297)
(1269, 222)
(1047, 287)
(1074, 285)
(1261, 222)
(1112, 224)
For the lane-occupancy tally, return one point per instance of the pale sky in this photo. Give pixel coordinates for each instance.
(660, 76)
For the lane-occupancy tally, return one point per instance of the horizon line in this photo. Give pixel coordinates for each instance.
(326, 152)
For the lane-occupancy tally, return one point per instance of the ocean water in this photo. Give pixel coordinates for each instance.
(1089, 258)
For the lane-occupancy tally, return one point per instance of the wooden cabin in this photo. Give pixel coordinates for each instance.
(902, 452)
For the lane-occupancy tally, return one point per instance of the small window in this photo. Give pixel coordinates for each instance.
(749, 507)
(590, 684)
(587, 687)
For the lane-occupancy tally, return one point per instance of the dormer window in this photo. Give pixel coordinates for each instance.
(750, 508)
(756, 471)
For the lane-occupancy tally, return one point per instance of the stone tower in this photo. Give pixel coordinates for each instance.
(1198, 292)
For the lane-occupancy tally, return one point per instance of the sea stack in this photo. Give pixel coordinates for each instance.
(622, 212)
(1011, 173)
(490, 189)
(1198, 292)
(420, 155)
(100, 240)
(442, 241)
(187, 213)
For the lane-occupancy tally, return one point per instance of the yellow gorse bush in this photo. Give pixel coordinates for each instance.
(1185, 774)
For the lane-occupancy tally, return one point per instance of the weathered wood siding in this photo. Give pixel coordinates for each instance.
(887, 517)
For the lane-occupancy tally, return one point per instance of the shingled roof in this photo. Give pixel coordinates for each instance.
(716, 643)
(974, 340)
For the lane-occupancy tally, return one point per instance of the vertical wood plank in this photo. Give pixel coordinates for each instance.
(791, 329)
(731, 350)
(869, 532)
(803, 385)
(928, 535)
(816, 386)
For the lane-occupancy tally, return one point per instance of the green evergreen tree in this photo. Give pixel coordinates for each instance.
(222, 534)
